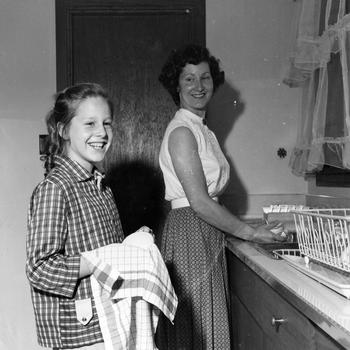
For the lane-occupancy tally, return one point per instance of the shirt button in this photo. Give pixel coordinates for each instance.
(84, 319)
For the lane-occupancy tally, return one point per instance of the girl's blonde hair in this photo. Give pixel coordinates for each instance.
(66, 103)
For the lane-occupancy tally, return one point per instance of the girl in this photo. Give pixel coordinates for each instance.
(71, 213)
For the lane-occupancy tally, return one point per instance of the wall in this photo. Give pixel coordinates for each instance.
(27, 81)
(330, 197)
(250, 38)
(253, 38)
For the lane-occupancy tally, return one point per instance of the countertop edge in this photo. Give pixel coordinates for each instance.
(247, 253)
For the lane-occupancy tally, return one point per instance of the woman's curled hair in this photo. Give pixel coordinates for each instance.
(177, 60)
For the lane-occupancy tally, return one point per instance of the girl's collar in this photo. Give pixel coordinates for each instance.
(78, 170)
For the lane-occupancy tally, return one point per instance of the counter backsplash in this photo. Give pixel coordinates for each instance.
(251, 206)
(319, 201)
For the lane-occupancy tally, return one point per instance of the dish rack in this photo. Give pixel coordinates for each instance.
(323, 237)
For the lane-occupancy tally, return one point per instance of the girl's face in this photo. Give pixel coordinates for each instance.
(89, 133)
(195, 87)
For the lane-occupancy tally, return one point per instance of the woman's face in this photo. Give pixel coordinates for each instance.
(195, 87)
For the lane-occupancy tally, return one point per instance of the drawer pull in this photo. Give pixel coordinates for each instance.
(277, 322)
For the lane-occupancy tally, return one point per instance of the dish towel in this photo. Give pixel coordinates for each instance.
(131, 286)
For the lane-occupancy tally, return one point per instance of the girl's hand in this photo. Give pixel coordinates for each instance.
(142, 238)
(86, 268)
(145, 229)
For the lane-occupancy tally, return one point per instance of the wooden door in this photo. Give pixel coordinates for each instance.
(122, 45)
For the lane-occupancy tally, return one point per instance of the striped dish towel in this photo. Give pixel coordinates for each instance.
(131, 286)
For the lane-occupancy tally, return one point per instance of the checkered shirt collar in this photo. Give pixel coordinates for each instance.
(79, 173)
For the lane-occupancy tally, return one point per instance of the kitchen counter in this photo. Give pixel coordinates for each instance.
(327, 309)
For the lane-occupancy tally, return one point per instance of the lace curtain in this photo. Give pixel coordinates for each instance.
(319, 66)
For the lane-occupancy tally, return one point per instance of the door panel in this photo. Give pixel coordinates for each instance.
(122, 45)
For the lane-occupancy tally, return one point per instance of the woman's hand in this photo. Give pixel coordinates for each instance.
(267, 233)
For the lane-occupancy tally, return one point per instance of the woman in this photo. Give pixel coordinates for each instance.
(195, 173)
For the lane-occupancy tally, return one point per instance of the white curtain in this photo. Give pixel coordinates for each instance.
(319, 66)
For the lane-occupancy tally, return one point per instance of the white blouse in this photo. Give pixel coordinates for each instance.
(215, 166)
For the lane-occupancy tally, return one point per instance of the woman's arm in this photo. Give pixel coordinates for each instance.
(183, 150)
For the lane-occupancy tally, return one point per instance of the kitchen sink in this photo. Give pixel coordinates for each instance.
(269, 248)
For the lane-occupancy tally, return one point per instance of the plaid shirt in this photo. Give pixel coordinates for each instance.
(68, 215)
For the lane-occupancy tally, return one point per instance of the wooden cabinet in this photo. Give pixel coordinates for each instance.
(263, 320)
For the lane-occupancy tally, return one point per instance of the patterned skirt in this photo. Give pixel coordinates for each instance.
(194, 253)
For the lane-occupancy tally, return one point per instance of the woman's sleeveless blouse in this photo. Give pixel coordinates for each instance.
(215, 166)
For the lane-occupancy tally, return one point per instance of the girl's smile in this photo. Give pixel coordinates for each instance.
(89, 133)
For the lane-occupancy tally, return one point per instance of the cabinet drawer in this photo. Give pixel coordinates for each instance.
(266, 305)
